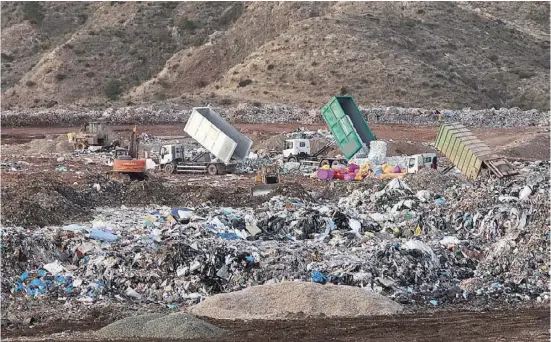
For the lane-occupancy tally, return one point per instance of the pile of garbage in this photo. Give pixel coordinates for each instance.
(14, 166)
(466, 242)
(502, 117)
(269, 113)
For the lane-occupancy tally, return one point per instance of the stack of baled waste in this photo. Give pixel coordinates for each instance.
(377, 152)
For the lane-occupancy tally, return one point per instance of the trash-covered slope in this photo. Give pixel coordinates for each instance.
(456, 244)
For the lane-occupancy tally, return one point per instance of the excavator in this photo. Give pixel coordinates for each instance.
(127, 166)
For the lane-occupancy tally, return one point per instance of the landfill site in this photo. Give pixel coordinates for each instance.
(346, 223)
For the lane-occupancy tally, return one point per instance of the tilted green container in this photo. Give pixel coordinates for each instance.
(347, 124)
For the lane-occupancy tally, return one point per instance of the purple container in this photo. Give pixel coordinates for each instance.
(396, 169)
(325, 174)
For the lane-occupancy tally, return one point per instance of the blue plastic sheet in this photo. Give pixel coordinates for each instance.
(318, 277)
(103, 236)
(228, 236)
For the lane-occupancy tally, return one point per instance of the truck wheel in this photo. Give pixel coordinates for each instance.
(169, 169)
(80, 146)
(212, 170)
(324, 162)
(292, 159)
(335, 163)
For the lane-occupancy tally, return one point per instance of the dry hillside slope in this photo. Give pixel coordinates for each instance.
(427, 54)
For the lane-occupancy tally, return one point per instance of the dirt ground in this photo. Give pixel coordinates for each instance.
(519, 325)
(524, 143)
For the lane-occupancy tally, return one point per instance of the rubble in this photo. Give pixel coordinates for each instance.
(269, 113)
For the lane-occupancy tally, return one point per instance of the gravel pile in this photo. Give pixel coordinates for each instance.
(127, 327)
(293, 299)
(180, 326)
(245, 113)
(159, 326)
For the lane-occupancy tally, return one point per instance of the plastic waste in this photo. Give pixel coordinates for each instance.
(525, 192)
(228, 236)
(450, 241)
(423, 195)
(101, 235)
(440, 201)
(130, 292)
(318, 277)
(397, 184)
(420, 246)
(54, 268)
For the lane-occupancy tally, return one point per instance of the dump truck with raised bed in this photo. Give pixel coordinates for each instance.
(346, 123)
(225, 144)
(469, 154)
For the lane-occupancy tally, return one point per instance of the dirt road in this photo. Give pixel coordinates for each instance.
(519, 325)
(524, 143)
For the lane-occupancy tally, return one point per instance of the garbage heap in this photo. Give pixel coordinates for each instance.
(455, 243)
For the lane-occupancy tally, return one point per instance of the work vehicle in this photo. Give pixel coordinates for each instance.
(418, 161)
(348, 126)
(469, 154)
(298, 150)
(220, 138)
(173, 159)
(266, 180)
(126, 165)
(94, 133)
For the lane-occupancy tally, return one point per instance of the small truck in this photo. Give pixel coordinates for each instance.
(299, 150)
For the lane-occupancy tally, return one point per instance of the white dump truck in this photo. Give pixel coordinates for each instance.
(225, 145)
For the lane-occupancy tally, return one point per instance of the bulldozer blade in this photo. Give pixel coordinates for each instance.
(263, 189)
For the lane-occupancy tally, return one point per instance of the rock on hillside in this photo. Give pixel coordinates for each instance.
(427, 54)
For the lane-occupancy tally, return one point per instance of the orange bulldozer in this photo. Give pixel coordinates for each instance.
(127, 166)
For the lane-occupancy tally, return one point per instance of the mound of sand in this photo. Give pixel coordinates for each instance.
(291, 299)
(46, 146)
(159, 326)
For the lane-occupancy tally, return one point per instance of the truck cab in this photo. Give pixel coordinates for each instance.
(297, 148)
(171, 154)
(419, 161)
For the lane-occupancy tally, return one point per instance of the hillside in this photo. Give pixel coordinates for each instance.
(427, 54)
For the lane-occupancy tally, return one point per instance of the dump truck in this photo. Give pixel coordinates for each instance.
(346, 123)
(94, 133)
(469, 154)
(225, 144)
(299, 150)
